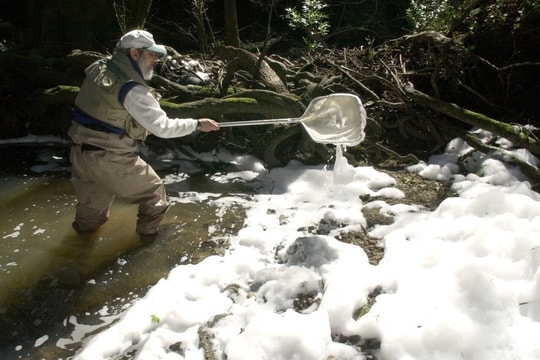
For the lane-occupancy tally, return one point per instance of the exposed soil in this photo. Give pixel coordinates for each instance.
(418, 190)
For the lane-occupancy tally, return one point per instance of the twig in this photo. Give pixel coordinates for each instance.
(401, 158)
(359, 83)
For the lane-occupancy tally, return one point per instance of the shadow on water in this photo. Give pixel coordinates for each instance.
(52, 279)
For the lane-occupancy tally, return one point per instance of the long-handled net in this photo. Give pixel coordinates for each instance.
(331, 119)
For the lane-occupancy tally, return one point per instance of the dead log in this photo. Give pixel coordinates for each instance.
(514, 133)
(245, 105)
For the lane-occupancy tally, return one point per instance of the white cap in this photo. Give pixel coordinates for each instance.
(140, 39)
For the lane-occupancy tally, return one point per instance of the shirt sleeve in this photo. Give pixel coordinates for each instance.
(145, 109)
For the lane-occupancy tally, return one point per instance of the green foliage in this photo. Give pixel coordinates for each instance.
(469, 16)
(155, 319)
(312, 20)
(430, 15)
(504, 12)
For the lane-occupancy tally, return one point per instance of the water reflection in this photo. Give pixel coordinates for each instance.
(51, 278)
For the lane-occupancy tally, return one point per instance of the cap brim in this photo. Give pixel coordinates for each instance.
(160, 49)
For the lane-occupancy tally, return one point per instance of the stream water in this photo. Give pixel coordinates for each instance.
(52, 278)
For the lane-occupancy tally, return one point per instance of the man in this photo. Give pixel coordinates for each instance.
(114, 110)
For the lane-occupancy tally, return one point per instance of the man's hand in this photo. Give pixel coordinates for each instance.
(208, 125)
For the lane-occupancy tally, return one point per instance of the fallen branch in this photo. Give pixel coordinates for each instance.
(516, 134)
(532, 172)
(401, 159)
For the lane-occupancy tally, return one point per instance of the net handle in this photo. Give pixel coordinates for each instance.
(261, 122)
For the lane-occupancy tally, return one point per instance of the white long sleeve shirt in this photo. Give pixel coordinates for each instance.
(144, 108)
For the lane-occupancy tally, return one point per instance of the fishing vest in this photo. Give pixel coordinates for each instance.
(99, 93)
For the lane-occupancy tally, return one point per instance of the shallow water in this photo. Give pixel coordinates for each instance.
(52, 278)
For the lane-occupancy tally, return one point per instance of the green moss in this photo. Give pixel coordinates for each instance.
(170, 105)
(241, 100)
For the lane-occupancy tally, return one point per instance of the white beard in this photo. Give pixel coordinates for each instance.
(147, 72)
(147, 75)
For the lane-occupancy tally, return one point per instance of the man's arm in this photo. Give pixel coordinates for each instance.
(144, 108)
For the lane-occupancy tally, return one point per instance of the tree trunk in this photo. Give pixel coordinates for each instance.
(248, 61)
(199, 12)
(232, 37)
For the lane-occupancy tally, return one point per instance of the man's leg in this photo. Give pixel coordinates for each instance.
(94, 200)
(88, 219)
(152, 211)
(99, 175)
(138, 183)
